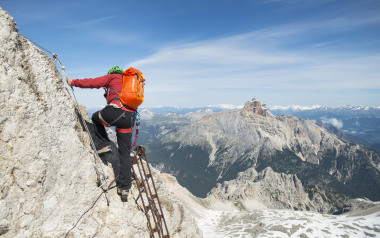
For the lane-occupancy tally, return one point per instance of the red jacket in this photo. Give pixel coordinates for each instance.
(114, 81)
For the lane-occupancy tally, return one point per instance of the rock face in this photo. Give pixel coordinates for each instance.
(257, 108)
(252, 190)
(47, 178)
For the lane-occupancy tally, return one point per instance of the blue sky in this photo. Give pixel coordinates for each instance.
(199, 53)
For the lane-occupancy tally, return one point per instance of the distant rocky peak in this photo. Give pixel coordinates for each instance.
(256, 107)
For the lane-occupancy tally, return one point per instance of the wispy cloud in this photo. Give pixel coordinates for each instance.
(90, 23)
(261, 59)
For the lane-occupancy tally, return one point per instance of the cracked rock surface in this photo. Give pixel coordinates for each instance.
(47, 178)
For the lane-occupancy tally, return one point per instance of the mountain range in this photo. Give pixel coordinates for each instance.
(358, 124)
(297, 110)
(205, 148)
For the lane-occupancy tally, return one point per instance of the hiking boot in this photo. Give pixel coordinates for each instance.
(123, 194)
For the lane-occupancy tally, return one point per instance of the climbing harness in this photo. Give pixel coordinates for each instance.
(119, 104)
(148, 194)
(101, 173)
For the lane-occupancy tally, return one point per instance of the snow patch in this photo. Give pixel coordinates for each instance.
(287, 223)
(226, 106)
(295, 107)
(146, 114)
(213, 146)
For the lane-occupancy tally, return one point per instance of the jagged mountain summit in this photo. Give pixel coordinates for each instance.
(47, 178)
(220, 145)
(257, 108)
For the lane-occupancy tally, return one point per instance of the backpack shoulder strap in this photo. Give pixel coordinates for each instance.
(113, 90)
(108, 93)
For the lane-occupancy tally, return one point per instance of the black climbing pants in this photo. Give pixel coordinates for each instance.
(124, 140)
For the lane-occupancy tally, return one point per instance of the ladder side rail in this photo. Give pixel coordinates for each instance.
(148, 193)
(143, 183)
(152, 198)
(146, 212)
(158, 210)
(155, 189)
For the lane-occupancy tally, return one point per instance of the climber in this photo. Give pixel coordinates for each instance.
(114, 114)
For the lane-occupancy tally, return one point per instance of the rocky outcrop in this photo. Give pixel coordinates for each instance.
(267, 189)
(257, 108)
(47, 178)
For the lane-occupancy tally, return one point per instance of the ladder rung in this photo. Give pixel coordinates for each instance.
(155, 196)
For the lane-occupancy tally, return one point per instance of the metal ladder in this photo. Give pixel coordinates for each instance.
(148, 194)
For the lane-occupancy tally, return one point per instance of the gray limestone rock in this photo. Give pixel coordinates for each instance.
(268, 188)
(47, 177)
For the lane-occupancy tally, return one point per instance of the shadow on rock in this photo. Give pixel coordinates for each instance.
(108, 151)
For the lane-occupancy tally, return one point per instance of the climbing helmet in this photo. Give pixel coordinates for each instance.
(115, 70)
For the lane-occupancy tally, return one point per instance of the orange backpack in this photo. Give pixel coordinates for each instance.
(132, 93)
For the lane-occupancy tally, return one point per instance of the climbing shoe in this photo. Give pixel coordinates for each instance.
(123, 194)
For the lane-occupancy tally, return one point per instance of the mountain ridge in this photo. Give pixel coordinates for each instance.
(358, 124)
(228, 140)
(274, 108)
